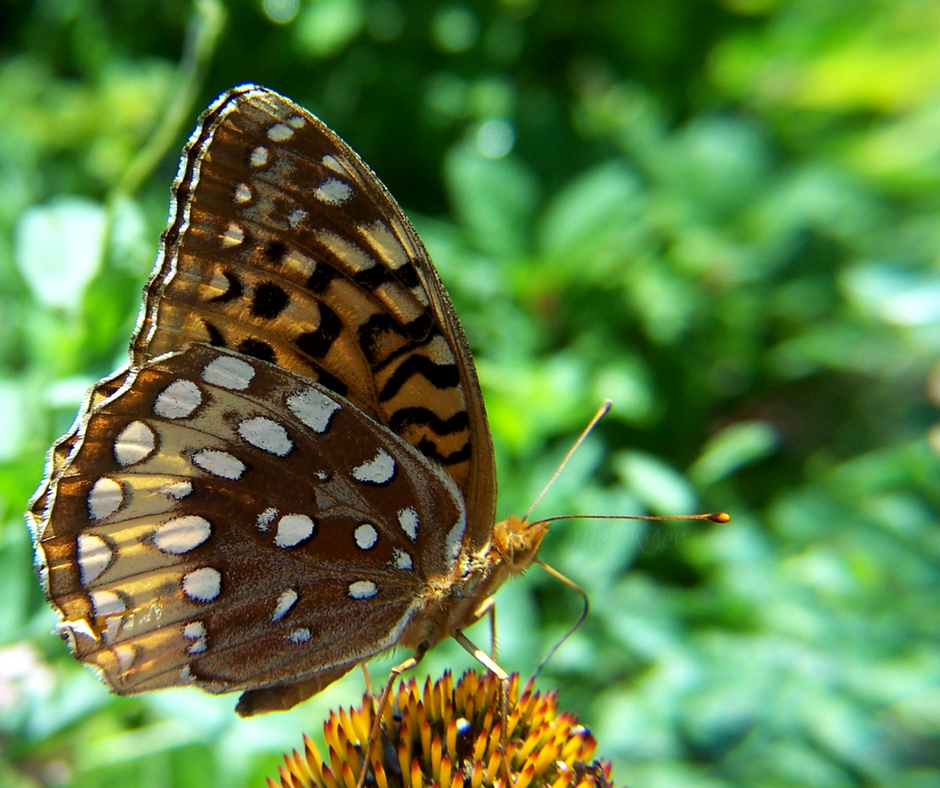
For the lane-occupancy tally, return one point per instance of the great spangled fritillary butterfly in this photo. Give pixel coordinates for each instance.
(294, 471)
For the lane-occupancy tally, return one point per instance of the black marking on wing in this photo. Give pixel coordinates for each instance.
(406, 417)
(442, 376)
(404, 350)
(372, 278)
(275, 251)
(320, 279)
(316, 344)
(233, 291)
(216, 337)
(419, 327)
(369, 331)
(257, 349)
(269, 301)
(407, 275)
(332, 382)
(429, 450)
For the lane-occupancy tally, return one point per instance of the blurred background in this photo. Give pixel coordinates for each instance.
(724, 216)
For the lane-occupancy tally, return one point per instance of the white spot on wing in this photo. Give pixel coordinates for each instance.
(333, 191)
(362, 589)
(178, 400)
(284, 603)
(352, 254)
(387, 243)
(439, 351)
(94, 555)
(296, 217)
(266, 434)
(196, 631)
(292, 529)
(332, 163)
(419, 294)
(106, 603)
(125, 655)
(78, 627)
(299, 262)
(135, 443)
(104, 498)
(219, 463)
(202, 585)
(366, 536)
(297, 121)
(401, 559)
(378, 470)
(454, 540)
(280, 132)
(177, 490)
(299, 635)
(217, 286)
(113, 629)
(266, 518)
(243, 193)
(228, 373)
(182, 534)
(233, 235)
(408, 520)
(400, 300)
(259, 156)
(313, 408)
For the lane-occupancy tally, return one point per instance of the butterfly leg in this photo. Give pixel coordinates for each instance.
(488, 608)
(368, 679)
(376, 733)
(490, 664)
(584, 612)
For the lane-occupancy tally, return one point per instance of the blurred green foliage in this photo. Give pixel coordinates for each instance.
(725, 216)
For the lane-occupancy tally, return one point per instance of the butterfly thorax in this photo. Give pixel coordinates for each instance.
(453, 602)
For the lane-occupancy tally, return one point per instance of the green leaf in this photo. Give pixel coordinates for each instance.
(494, 200)
(731, 449)
(59, 249)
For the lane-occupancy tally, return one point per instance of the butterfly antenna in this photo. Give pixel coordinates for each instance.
(601, 412)
(715, 517)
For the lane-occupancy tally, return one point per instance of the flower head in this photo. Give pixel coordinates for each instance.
(449, 737)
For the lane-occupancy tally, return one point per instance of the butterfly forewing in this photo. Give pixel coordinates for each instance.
(285, 246)
(222, 522)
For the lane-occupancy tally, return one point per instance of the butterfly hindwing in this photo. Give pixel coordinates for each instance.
(221, 521)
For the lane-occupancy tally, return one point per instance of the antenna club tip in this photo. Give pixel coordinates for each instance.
(719, 517)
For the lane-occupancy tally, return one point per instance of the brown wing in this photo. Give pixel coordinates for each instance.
(282, 244)
(225, 523)
(59, 454)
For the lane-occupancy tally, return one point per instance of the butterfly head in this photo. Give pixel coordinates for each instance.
(518, 541)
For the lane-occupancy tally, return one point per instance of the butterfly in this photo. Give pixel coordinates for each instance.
(294, 471)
